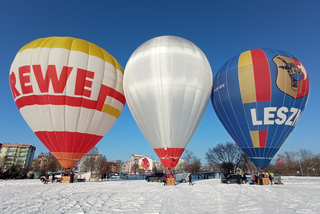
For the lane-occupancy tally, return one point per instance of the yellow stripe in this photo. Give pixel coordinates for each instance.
(73, 44)
(255, 138)
(111, 110)
(246, 78)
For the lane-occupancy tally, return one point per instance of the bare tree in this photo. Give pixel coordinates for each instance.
(192, 164)
(46, 163)
(308, 160)
(180, 166)
(90, 162)
(135, 167)
(104, 166)
(226, 157)
(161, 168)
(93, 151)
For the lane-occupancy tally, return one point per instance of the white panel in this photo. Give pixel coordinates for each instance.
(167, 83)
(40, 118)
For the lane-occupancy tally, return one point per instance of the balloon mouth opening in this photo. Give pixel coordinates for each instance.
(261, 162)
(68, 163)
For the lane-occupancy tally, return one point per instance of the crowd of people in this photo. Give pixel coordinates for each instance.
(258, 177)
(67, 172)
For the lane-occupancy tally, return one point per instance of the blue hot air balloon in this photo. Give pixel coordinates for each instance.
(259, 96)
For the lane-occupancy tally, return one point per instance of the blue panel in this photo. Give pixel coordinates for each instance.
(261, 162)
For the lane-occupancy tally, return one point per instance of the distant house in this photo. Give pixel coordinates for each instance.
(143, 162)
(20, 155)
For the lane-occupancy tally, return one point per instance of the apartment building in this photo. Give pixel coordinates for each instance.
(19, 154)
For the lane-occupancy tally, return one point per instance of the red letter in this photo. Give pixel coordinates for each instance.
(102, 97)
(57, 84)
(14, 90)
(25, 79)
(83, 82)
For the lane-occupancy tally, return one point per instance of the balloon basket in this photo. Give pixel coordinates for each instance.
(265, 181)
(170, 181)
(66, 179)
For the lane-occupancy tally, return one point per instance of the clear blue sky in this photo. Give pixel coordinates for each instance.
(222, 29)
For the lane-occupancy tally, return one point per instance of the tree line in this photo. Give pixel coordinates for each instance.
(303, 162)
(229, 158)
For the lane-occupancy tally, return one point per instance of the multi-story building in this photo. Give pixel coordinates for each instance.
(19, 154)
(146, 165)
(142, 162)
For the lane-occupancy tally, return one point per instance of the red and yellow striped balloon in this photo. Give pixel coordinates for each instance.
(70, 93)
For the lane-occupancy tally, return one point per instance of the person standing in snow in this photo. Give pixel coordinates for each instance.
(190, 179)
(261, 179)
(53, 177)
(46, 178)
(71, 176)
(270, 178)
(238, 178)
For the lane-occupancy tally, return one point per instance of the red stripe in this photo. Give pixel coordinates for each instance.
(169, 152)
(68, 141)
(262, 76)
(263, 138)
(71, 101)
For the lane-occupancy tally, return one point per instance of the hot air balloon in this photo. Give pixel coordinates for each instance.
(70, 93)
(167, 84)
(259, 97)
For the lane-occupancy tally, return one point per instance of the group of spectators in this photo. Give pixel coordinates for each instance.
(65, 173)
(258, 178)
(47, 178)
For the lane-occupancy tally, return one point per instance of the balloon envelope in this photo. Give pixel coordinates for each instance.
(259, 97)
(167, 84)
(70, 93)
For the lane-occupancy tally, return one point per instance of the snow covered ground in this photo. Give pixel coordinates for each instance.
(297, 195)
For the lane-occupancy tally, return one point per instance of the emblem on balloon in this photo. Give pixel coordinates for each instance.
(259, 97)
(70, 93)
(291, 70)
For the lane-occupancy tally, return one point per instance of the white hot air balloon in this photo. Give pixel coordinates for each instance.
(167, 85)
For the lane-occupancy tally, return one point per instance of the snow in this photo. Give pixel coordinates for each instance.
(297, 195)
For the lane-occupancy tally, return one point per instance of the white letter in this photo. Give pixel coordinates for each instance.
(281, 115)
(254, 117)
(267, 115)
(294, 112)
(297, 117)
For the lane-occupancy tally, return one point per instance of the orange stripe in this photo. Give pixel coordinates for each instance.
(68, 163)
(68, 159)
(246, 78)
(68, 155)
